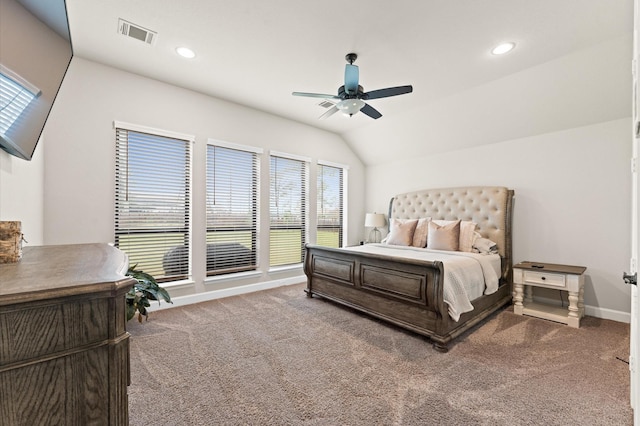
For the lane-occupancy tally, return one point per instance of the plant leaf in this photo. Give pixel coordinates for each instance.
(164, 294)
(145, 289)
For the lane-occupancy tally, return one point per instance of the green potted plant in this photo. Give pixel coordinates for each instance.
(142, 292)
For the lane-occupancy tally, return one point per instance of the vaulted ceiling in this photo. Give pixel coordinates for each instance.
(256, 53)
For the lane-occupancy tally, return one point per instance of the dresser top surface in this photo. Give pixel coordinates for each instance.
(54, 271)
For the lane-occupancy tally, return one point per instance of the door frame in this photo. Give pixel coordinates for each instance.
(634, 344)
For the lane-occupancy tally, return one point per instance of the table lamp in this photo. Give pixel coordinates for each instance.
(375, 220)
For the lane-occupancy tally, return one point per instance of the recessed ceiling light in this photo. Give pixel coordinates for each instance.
(503, 48)
(185, 52)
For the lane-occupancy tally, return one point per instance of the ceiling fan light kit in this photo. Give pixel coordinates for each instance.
(350, 106)
(352, 96)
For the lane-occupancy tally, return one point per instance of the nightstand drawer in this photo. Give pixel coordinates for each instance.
(545, 279)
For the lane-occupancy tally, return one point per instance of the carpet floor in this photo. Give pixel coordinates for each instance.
(277, 357)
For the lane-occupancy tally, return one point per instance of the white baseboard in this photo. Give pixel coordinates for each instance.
(227, 292)
(610, 314)
(594, 311)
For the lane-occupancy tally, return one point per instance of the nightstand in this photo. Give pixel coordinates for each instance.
(527, 275)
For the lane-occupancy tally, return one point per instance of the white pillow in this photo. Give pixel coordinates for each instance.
(467, 231)
(401, 232)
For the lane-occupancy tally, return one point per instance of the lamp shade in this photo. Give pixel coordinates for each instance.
(375, 220)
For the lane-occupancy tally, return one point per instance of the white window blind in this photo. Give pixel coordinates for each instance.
(152, 202)
(287, 210)
(14, 99)
(232, 210)
(330, 206)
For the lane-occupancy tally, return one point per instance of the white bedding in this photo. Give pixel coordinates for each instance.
(466, 275)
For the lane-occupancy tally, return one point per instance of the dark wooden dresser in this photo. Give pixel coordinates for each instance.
(64, 349)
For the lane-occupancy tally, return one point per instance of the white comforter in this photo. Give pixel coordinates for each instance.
(463, 272)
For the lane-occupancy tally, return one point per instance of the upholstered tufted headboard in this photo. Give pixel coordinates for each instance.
(491, 207)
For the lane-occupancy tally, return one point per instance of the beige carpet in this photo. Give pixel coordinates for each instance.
(278, 358)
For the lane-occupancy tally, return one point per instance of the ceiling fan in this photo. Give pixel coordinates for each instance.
(352, 96)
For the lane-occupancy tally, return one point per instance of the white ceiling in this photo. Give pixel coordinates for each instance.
(255, 53)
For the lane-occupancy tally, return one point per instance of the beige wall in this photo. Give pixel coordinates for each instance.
(21, 189)
(572, 199)
(80, 156)
(559, 134)
(572, 186)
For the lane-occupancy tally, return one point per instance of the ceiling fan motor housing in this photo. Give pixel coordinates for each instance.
(342, 93)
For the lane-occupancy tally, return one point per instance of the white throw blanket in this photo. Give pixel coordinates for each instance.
(462, 271)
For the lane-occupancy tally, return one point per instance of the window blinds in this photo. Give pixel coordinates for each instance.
(232, 210)
(330, 206)
(152, 210)
(287, 210)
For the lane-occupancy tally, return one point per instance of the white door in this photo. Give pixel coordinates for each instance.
(634, 350)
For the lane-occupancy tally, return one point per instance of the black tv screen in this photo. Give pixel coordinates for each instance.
(35, 52)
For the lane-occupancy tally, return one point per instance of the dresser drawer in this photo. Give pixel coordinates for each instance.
(545, 279)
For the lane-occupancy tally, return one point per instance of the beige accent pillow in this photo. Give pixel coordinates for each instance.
(401, 232)
(467, 233)
(421, 232)
(443, 237)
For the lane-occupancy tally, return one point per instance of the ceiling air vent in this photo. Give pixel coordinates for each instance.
(326, 104)
(136, 31)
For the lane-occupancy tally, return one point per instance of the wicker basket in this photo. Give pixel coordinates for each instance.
(10, 241)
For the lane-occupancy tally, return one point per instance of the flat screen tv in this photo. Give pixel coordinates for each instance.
(35, 52)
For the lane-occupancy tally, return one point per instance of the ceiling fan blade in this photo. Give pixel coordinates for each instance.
(385, 93)
(351, 77)
(370, 111)
(329, 113)
(315, 95)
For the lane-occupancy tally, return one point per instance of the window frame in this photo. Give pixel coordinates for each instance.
(342, 194)
(304, 210)
(187, 230)
(256, 173)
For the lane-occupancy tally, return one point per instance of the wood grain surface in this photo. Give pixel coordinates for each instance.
(64, 352)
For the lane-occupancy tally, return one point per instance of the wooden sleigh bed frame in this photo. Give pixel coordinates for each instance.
(409, 293)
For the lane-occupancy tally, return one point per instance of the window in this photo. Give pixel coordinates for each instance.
(330, 201)
(232, 209)
(15, 96)
(287, 210)
(152, 201)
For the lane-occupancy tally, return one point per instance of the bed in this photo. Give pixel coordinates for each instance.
(409, 290)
